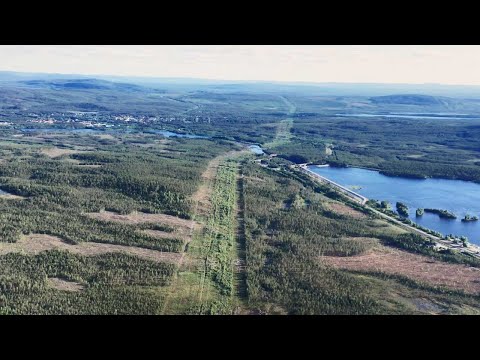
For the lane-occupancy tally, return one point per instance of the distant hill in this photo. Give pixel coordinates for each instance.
(71, 84)
(82, 84)
(317, 89)
(407, 99)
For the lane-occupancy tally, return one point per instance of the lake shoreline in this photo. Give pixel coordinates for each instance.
(457, 196)
(405, 176)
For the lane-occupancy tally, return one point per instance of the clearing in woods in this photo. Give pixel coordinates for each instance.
(417, 267)
(182, 228)
(36, 243)
(61, 284)
(180, 225)
(343, 209)
(57, 152)
(207, 281)
(10, 196)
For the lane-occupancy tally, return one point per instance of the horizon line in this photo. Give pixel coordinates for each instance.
(154, 77)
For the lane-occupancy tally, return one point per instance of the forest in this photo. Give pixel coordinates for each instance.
(51, 190)
(84, 167)
(112, 284)
(285, 245)
(397, 147)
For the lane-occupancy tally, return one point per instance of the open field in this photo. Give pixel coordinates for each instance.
(60, 284)
(182, 225)
(11, 197)
(416, 267)
(57, 152)
(36, 243)
(343, 209)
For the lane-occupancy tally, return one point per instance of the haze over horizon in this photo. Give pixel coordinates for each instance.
(387, 64)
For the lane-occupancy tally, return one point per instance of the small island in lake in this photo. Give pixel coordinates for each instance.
(442, 213)
(402, 209)
(420, 212)
(470, 218)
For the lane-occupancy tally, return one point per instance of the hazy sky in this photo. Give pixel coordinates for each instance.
(311, 63)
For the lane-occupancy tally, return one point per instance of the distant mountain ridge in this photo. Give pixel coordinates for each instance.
(407, 99)
(317, 89)
(82, 84)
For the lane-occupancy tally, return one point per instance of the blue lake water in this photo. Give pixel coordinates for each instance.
(459, 197)
(109, 130)
(256, 149)
(438, 116)
(174, 134)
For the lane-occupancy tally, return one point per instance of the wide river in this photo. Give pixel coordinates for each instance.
(459, 197)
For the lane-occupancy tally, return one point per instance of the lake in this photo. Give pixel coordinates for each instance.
(437, 116)
(257, 150)
(110, 130)
(174, 134)
(459, 197)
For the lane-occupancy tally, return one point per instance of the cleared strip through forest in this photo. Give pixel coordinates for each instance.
(284, 127)
(219, 247)
(240, 262)
(207, 280)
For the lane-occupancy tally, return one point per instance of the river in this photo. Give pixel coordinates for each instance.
(459, 197)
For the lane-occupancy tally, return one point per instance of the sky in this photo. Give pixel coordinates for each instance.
(416, 64)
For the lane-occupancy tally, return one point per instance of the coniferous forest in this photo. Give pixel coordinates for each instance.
(131, 199)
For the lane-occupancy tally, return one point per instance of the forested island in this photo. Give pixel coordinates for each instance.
(402, 209)
(468, 218)
(445, 214)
